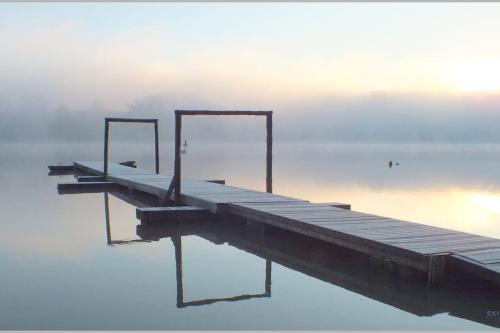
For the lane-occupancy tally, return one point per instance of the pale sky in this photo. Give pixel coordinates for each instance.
(112, 54)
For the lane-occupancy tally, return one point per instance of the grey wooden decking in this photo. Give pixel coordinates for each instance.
(423, 247)
(481, 262)
(194, 192)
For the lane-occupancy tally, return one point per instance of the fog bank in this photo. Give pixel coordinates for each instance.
(376, 117)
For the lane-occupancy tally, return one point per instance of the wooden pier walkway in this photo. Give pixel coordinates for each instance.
(429, 249)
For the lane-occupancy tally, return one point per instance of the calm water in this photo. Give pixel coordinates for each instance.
(59, 273)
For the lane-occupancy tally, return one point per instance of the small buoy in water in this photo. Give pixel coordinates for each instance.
(184, 150)
(397, 163)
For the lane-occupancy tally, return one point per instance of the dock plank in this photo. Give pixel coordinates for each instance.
(489, 256)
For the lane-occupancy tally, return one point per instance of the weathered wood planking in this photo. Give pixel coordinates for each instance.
(411, 244)
(195, 192)
(172, 214)
(403, 242)
(75, 187)
(60, 170)
(485, 263)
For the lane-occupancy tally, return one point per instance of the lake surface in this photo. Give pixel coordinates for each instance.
(58, 271)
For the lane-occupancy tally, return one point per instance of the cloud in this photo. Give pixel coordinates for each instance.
(66, 64)
(71, 63)
(60, 77)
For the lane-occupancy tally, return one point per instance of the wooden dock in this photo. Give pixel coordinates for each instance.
(434, 251)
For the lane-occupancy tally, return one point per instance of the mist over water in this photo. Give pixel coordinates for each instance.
(58, 272)
(377, 117)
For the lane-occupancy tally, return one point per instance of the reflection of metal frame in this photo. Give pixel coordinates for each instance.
(108, 227)
(180, 291)
(129, 120)
(176, 240)
(176, 182)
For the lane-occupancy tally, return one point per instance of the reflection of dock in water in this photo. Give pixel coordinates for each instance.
(332, 264)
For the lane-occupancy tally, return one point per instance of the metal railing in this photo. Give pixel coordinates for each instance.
(176, 181)
(109, 120)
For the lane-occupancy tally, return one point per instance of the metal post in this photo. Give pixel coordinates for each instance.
(106, 136)
(109, 120)
(108, 223)
(176, 240)
(268, 277)
(157, 149)
(177, 166)
(269, 153)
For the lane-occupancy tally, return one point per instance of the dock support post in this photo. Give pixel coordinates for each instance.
(436, 271)
(157, 149)
(268, 277)
(106, 137)
(108, 223)
(269, 153)
(177, 166)
(176, 240)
